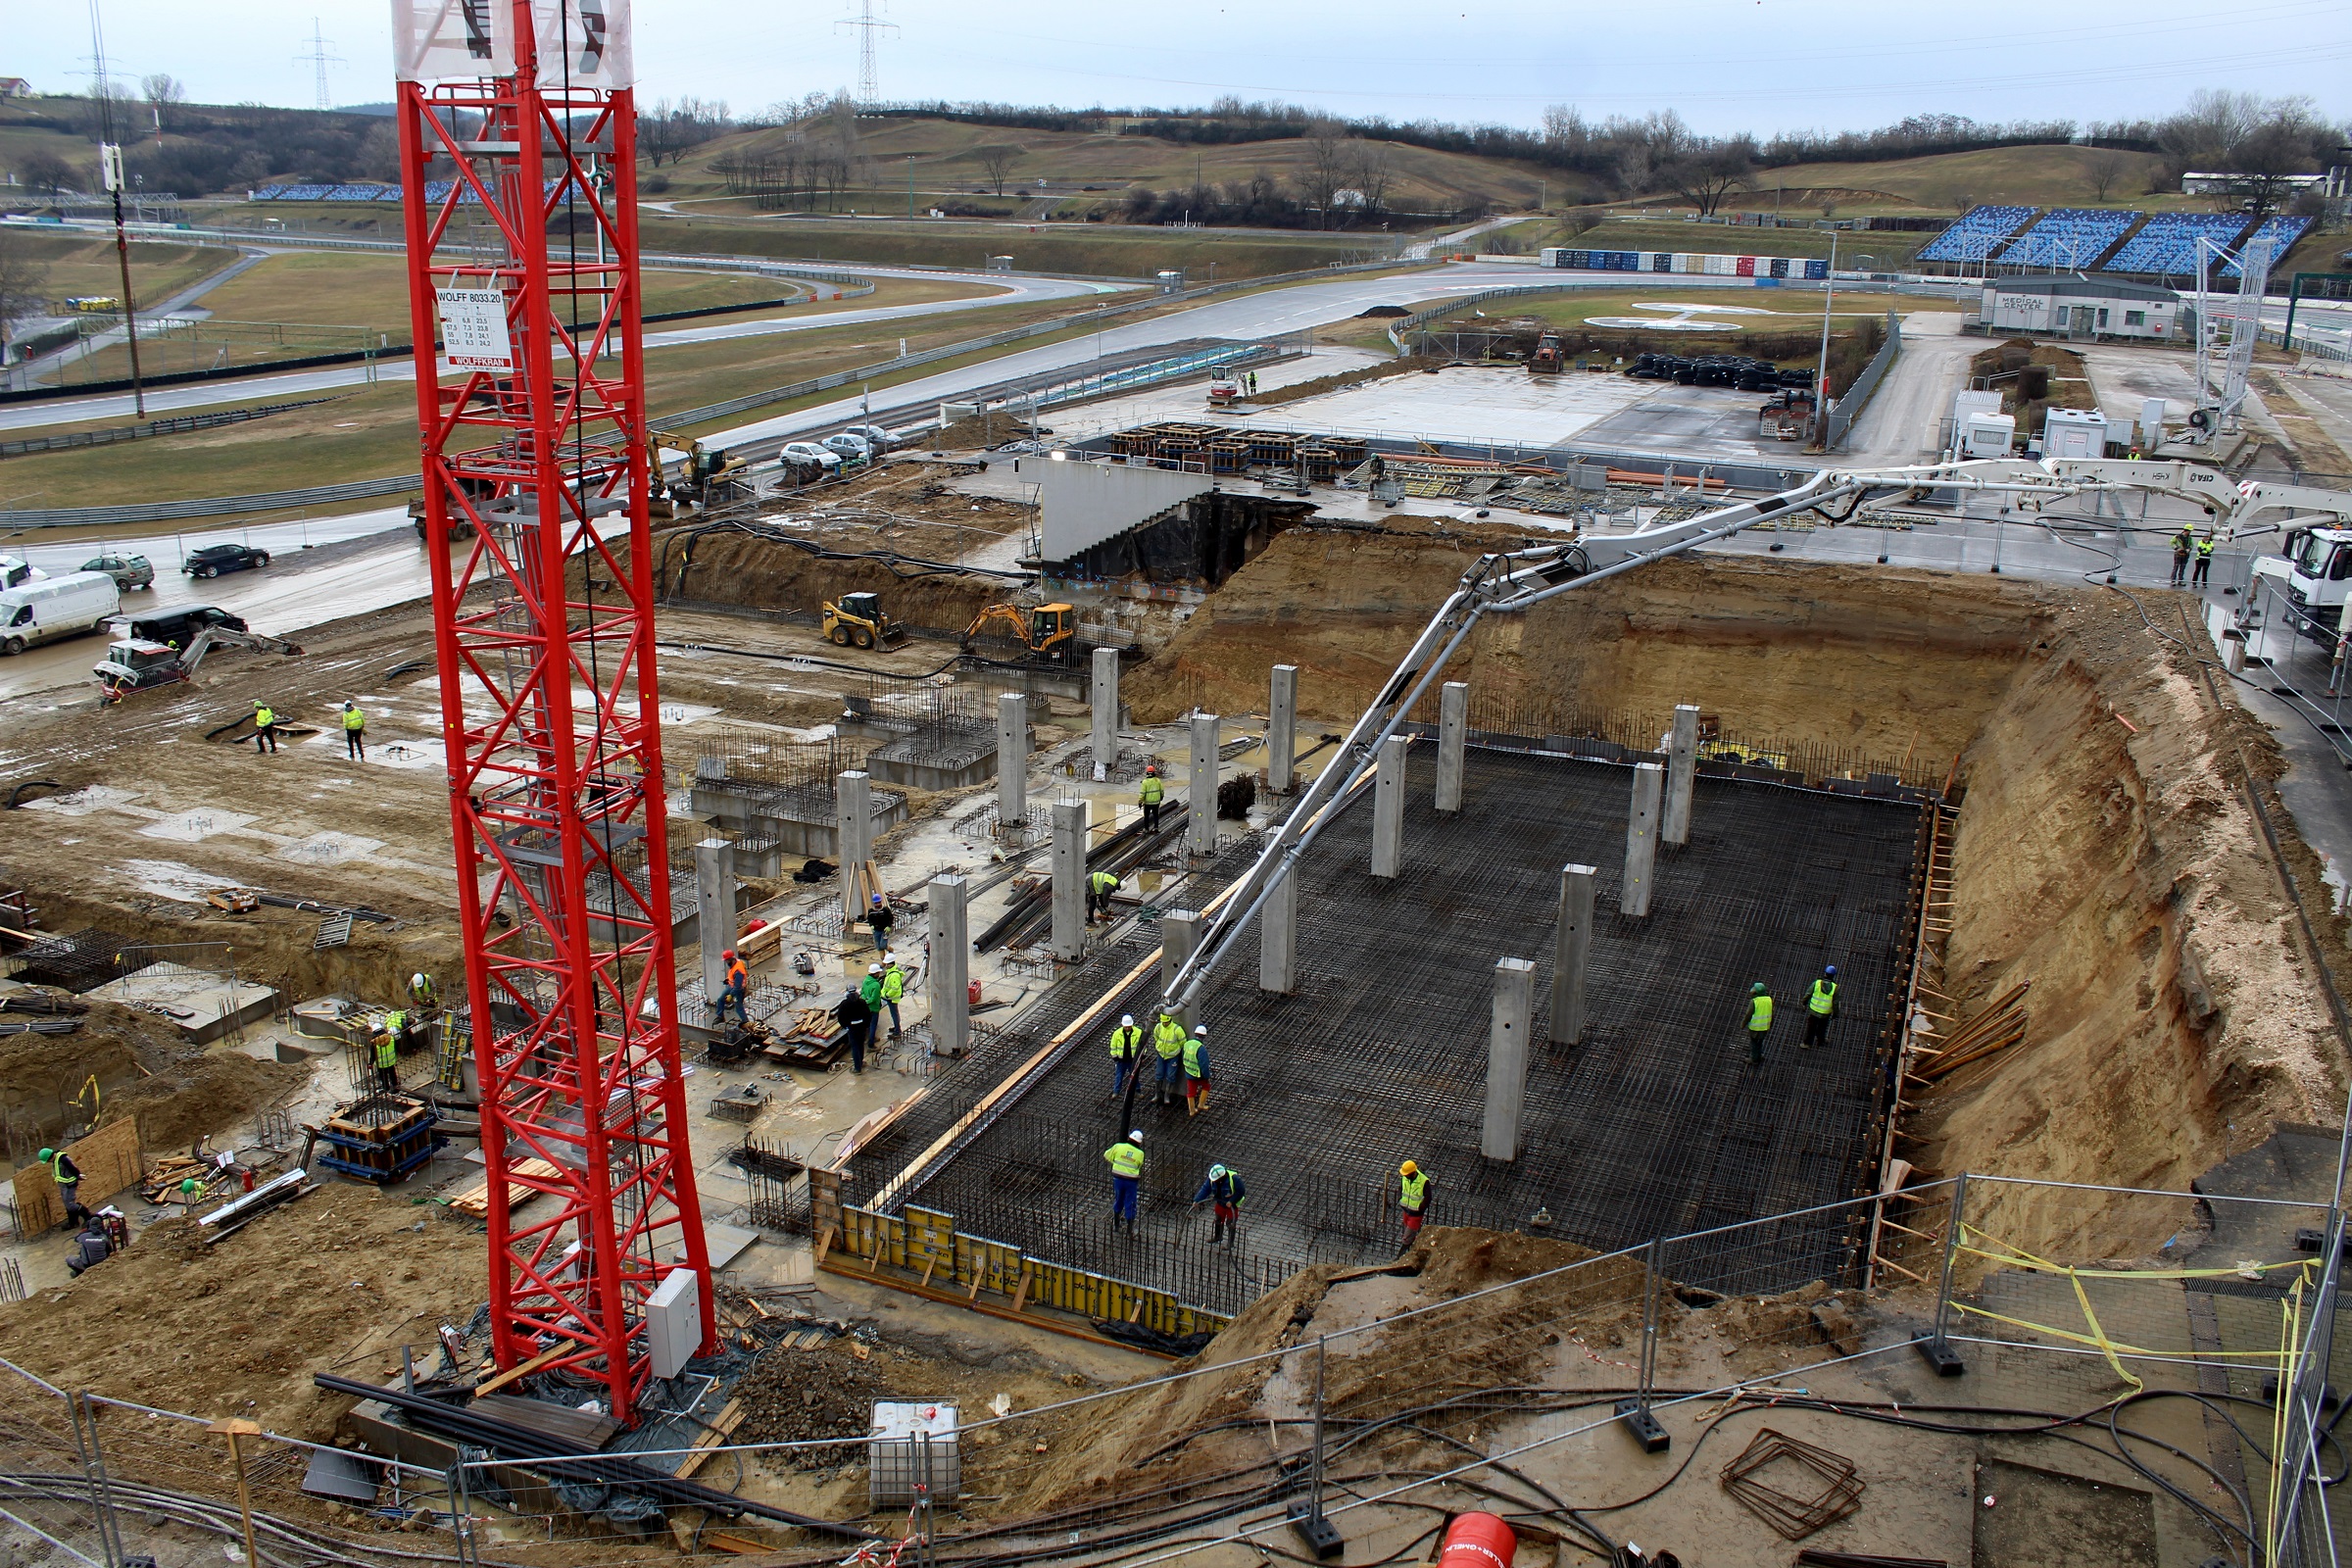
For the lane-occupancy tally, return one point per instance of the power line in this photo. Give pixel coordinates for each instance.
(320, 60)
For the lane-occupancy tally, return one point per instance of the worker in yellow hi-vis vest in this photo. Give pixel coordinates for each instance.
(1759, 1022)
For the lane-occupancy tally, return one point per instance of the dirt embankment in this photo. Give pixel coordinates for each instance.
(339, 1281)
(733, 568)
(2108, 854)
(143, 1069)
(1882, 663)
(1209, 1425)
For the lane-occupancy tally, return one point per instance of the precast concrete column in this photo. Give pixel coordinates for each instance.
(1507, 1058)
(950, 968)
(1282, 730)
(1179, 937)
(1278, 934)
(1013, 760)
(1453, 730)
(1070, 879)
(1102, 690)
(1681, 767)
(1572, 953)
(1642, 839)
(1388, 808)
(1201, 804)
(853, 840)
(714, 897)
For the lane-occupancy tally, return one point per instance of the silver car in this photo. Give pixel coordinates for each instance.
(128, 571)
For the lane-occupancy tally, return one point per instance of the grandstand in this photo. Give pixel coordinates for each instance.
(1979, 232)
(2167, 246)
(2070, 237)
(435, 192)
(1757, 266)
(2281, 231)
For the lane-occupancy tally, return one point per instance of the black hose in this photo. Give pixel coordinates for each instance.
(17, 792)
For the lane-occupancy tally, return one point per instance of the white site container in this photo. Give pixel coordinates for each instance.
(2074, 433)
(897, 1453)
(1988, 435)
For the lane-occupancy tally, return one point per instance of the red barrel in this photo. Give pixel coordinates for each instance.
(1478, 1541)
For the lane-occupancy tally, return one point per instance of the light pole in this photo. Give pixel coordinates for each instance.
(1821, 377)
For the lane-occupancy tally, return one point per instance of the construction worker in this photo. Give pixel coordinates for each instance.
(1099, 885)
(265, 728)
(1126, 1044)
(355, 732)
(857, 1019)
(878, 917)
(422, 992)
(1759, 1022)
(1167, 1040)
(2203, 575)
(2183, 542)
(893, 989)
(1252, 377)
(1149, 797)
(869, 990)
(1412, 1198)
(1126, 1160)
(91, 1247)
(735, 984)
(1195, 1073)
(387, 1051)
(1224, 1191)
(68, 1177)
(1821, 1006)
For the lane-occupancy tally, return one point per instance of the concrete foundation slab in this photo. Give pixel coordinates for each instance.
(201, 1005)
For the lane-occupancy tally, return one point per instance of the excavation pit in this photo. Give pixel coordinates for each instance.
(1654, 1124)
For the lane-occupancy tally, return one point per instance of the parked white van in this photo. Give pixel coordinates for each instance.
(49, 608)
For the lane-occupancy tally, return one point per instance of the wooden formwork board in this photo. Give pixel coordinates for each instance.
(925, 1242)
(109, 1160)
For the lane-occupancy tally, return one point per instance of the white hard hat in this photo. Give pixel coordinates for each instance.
(1126, 1020)
(417, 978)
(874, 968)
(1136, 1135)
(1200, 1030)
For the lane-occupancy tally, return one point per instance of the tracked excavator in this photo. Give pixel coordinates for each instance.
(2317, 524)
(135, 664)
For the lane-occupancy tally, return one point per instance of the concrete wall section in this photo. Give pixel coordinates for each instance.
(1080, 505)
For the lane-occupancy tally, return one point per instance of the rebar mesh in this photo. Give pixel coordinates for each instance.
(1653, 1125)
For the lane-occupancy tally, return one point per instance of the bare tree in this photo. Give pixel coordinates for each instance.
(164, 95)
(43, 171)
(1372, 174)
(1705, 178)
(1328, 158)
(997, 161)
(21, 277)
(2104, 170)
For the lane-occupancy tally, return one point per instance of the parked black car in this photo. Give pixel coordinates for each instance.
(176, 628)
(214, 560)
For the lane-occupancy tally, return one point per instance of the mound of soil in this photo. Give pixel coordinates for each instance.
(207, 1096)
(337, 1281)
(792, 1395)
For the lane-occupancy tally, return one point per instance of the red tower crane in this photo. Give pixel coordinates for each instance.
(519, 187)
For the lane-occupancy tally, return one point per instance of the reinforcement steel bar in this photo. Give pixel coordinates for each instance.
(550, 1454)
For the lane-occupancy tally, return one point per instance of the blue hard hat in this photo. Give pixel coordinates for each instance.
(1831, 970)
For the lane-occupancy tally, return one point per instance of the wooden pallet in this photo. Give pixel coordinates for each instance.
(475, 1200)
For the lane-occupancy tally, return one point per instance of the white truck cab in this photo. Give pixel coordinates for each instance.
(2313, 572)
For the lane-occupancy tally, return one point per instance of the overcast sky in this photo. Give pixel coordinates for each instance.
(1726, 65)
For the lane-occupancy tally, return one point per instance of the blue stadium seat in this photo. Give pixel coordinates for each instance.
(2168, 246)
(2072, 237)
(2281, 231)
(1978, 232)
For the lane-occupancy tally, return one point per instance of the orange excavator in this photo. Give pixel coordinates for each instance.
(1047, 633)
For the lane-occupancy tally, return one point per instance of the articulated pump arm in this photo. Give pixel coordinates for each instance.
(1523, 579)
